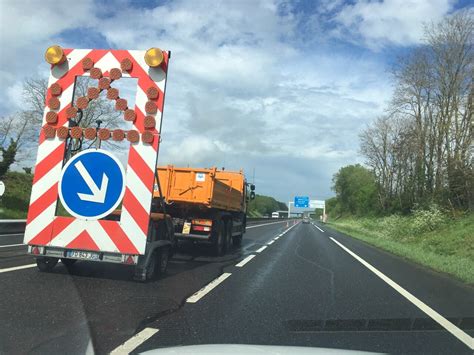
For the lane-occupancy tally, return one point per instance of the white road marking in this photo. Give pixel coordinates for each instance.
(276, 238)
(446, 324)
(318, 228)
(17, 268)
(261, 249)
(265, 224)
(11, 245)
(270, 242)
(135, 341)
(11, 235)
(208, 288)
(246, 260)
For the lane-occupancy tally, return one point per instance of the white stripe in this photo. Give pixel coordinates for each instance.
(276, 238)
(46, 182)
(11, 245)
(261, 249)
(139, 190)
(100, 237)
(134, 342)
(246, 260)
(107, 62)
(11, 235)
(319, 228)
(271, 242)
(133, 231)
(147, 153)
(265, 224)
(39, 223)
(68, 234)
(17, 268)
(208, 288)
(446, 324)
(46, 148)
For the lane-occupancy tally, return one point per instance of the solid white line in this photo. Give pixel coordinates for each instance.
(11, 245)
(208, 288)
(270, 242)
(135, 341)
(17, 268)
(319, 228)
(245, 261)
(265, 224)
(446, 324)
(261, 249)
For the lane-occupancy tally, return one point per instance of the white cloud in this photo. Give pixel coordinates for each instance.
(397, 22)
(241, 93)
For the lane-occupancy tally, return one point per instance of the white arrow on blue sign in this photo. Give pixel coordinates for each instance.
(92, 184)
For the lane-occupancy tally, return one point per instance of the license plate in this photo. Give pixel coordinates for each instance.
(186, 228)
(86, 255)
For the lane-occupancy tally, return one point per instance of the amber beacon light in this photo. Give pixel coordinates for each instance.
(154, 57)
(54, 55)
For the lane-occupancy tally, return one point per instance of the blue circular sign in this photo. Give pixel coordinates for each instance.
(92, 184)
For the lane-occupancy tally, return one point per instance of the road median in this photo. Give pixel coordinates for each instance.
(448, 248)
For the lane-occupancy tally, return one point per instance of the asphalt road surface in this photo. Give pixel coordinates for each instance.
(301, 285)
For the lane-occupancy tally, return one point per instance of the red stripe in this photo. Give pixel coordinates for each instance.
(60, 223)
(83, 241)
(138, 213)
(43, 202)
(49, 162)
(118, 236)
(43, 237)
(141, 169)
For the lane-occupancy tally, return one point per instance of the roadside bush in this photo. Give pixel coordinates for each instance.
(426, 220)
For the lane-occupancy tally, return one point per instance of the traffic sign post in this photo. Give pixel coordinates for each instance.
(92, 184)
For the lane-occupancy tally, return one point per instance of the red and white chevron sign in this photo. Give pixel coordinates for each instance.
(127, 236)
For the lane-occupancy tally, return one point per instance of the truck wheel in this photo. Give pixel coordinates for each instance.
(46, 263)
(237, 240)
(219, 236)
(68, 262)
(162, 260)
(228, 236)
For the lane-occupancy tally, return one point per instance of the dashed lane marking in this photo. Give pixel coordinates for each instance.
(208, 288)
(134, 342)
(246, 260)
(261, 249)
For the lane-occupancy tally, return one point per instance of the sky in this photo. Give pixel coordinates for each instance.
(280, 89)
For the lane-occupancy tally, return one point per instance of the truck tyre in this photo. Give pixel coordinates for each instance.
(162, 260)
(228, 236)
(218, 242)
(46, 263)
(68, 262)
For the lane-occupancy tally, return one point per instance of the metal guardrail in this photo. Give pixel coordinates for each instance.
(11, 226)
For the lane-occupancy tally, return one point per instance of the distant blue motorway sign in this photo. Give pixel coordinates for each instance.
(302, 201)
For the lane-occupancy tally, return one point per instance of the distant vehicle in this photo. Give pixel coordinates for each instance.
(275, 215)
(305, 219)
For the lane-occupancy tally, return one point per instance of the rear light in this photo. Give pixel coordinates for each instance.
(202, 228)
(129, 259)
(35, 250)
(202, 222)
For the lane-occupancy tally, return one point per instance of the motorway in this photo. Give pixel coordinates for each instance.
(299, 285)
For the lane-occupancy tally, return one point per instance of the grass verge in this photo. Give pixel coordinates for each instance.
(448, 248)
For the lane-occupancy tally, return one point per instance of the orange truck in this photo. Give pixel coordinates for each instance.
(206, 205)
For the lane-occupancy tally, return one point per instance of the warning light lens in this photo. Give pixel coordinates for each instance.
(154, 57)
(54, 55)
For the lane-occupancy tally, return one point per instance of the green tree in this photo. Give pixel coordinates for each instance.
(356, 190)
